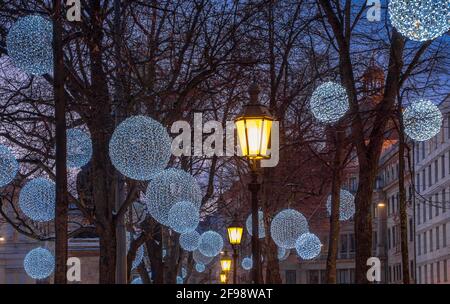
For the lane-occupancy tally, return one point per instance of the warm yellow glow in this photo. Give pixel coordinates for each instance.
(223, 277)
(225, 263)
(2, 239)
(235, 235)
(254, 136)
(381, 205)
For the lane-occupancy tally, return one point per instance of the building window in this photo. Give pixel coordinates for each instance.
(444, 198)
(291, 276)
(438, 272)
(436, 204)
(445, 271)
(424, 242)
(351, 239)
(423, 150)
(411, 269)
(430, 208)
(418, 213)
(418, 181)
(424, 182)
(425, 273)
(411, 230)
(444, 235)
(437, 238)
(436, 171)
(432, 273)
(431, 240)
(430, 182)
(442, 166)
(343, 277)
(419, 248)
(389, 238)
(344, 247)
(424, 215)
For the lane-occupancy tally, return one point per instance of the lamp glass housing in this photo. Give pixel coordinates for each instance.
(235, 235)
(225, 263)
(223, 277)
(254, 136)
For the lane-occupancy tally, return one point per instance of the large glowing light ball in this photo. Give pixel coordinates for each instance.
(261, 228)
(329, 102)
(140, 148)
(247, 263)
(180, 280)
(137, 281)
(79, 148)
(37, 200)
(200, 267)
(168, 188)
(200, 258)
(210, 244)
(308, 246)
(8, 166)
(420, 20)
(422, 120)
(183, 217)
(39, 263)
(190, 241)
(287, 226)
(29, 44)
(346, 205)
(283, 253)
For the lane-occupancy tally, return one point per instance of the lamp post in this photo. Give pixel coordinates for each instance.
(235, 231)
(254, 127)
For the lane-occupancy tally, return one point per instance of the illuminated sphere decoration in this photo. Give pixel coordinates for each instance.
(29, 44)
(308, 246)
(420, 20)
(183, 217)
(79, 148)
(180, 280)
(346, 205)
(190, 241)
(287, 226)
(261, 228)
(39, 263)
(137, 281)
(168, 188)
(247, 263)
(200, 258)
(8, 166)
(200, 267)
(422, 120)
(37, 199)
(210, 244)
(329, 102)
(140, 147)
(283, 253)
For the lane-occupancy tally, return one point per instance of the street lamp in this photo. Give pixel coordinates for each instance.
(235, 231)
(254, 127)
(223, 277)
(225, 262)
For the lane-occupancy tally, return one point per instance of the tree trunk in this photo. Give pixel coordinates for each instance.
(335, 206)
(154, 250)
(61, 149)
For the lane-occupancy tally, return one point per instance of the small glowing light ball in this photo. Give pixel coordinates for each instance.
(247, 263)
(190, 241)
(39, 263)
(308, 246)
(283, 253)
(140, 148)
(37, 200)
(422, 120)
(8, 166)
(180, 280)
(200, 267)
(346, 205)
(420, 20)
(261, 228)
(168, 188)
(183, 217)
(329, 102)
(200, 258)
(79, 148)
(210, 244)
(287, 226)
(183, 273)
(29, 44)
(138, 258)
(137, 281)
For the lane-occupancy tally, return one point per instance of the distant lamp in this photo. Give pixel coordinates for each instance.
(254, 127)
(223, 277)
(381, 205)
(225, 262)
(235, 233)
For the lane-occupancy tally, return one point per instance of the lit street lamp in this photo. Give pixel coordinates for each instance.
(225, 262)
(234, 237)
(223, 277)
(254, 127)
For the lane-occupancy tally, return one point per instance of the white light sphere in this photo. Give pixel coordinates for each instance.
(261, 228)
(200, 267)
(140, 147)
(420, 20)
(180, 280)
(183, 217)
(283, 253)
(346, 205)
(37, 199)
(39, 263)
(422, 120)
(190, 241)
(247, 263)
(79, 148)
(29, 44)
(329, 102)
(8, 166)
(137, 281)
(210, 244)
(200, 258)
(308, 246)
(287, 226)
(168, 188)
